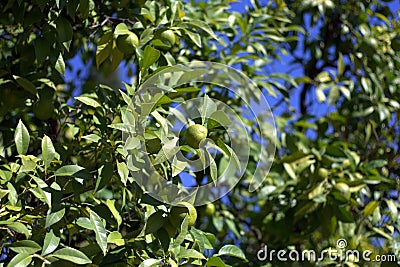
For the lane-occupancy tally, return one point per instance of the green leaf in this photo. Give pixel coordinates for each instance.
(60, 4)
(19, 228)
(392, 207)
(111, 206)
(25, 246)
(12, 194)
(323, 77)
(333, 95)
(92, 137)
(88, 101)
(104, 48)
(378, 163)
(207, 108)
(106, 172)
(201, 239)
(60, 65)
(51, 242)
(182, 234)
(42, 49)
(229, 153)
(121, 29)
(215, 261)
(26, 84)
(168, 150)
(231, 250)
(68, 170)
(290, 170)
(21, 260)
(123, 172)
(64, 29)
(117, 57)
(155, 221)
(21, 138)
(218, 118)
(213, 167)
(164, 238)
(72, 255)
(203, 26)
(320, 94)
(195, 37)
(190, 254)
(150, 263)
(3, 193)
(369, 209)
(178, 166)
(55, 217)
(84, 222)
(48, 151)
(150, 56)
(340, 64)
(124, 127)
(84, 8)
(115, 238)
(100, 231)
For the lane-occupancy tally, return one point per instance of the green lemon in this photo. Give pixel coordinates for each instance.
(395, 44)
(43, 109)
(346, 163)
(195, 134)
(344, 189)
(178, 213)
(323, 173)
(209, 210)
(126, 43)
(153, 146)
(168, 36)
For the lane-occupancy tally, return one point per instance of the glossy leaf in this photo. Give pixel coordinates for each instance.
(21, 138)
(72, 255)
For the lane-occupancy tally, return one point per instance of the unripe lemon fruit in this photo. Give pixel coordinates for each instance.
(168, 36)
(126, 43)
(346, 163)
(323, 173)
(43, 109)
(195, 134)
(395, 44)
(209, 210)
(178, 213)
